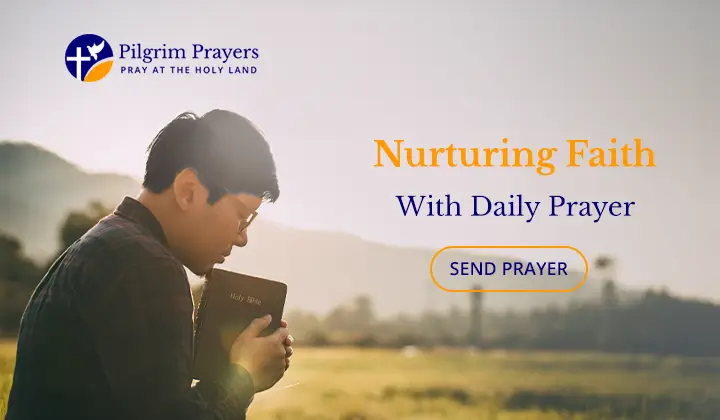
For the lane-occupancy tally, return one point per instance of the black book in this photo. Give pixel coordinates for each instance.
(229, 302)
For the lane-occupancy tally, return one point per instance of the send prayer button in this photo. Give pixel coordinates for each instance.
(516, 269)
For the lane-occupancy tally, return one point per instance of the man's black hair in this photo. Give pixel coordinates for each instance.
(226, 150)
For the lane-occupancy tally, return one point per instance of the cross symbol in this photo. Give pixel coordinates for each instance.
(78, 59)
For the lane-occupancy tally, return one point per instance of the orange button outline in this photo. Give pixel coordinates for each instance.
(441, 250)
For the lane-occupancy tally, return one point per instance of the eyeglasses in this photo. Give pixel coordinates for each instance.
(244, 225)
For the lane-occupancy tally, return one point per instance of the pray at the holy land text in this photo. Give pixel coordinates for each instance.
(515, 205)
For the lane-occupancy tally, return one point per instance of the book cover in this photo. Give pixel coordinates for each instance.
(229, 301)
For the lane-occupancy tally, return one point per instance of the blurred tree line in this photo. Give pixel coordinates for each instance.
(656, 323)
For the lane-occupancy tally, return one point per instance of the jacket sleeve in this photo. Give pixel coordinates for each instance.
(143, 330)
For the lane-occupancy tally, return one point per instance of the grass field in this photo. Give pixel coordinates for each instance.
(350, 384)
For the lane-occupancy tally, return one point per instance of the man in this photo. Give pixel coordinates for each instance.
(108, 332)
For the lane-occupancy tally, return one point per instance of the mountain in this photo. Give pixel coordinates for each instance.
(322, 269)
(38, 189)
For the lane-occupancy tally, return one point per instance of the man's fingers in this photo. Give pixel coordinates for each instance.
(257, 325)
(289, 351)
(283, 323)
(289, 340)
(281, 334)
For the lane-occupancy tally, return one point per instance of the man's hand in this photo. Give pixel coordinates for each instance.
(265, 358)
(288, 345)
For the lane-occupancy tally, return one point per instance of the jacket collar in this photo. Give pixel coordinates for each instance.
(132, 209)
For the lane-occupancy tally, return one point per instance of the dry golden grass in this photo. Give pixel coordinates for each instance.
(7, 362)
(352, 384)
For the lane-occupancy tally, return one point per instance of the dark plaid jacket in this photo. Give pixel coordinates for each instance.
(108, 334)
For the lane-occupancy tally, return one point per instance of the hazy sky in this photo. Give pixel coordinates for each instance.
(335, 75)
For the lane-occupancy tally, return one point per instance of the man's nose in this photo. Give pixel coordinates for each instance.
(241, 239)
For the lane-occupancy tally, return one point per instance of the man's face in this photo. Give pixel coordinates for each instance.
(210, 231)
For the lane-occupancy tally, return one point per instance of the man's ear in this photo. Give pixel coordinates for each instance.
(188, 189)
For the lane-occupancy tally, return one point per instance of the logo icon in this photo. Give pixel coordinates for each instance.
(89, 58)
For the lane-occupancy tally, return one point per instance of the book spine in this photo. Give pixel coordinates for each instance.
(199, 316)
